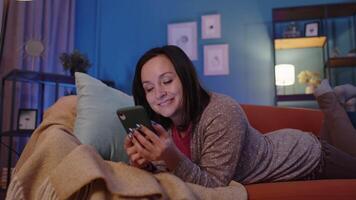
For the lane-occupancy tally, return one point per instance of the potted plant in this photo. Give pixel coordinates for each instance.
(311, 79)
(75, 62)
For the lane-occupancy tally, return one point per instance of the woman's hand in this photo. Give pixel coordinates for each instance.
(134, 157)
(154, 147)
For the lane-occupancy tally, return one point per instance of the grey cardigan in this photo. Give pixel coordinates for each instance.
(225, 147)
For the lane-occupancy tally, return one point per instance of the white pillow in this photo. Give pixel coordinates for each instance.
(96, 123)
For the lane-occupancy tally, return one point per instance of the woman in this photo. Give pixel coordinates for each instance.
(210, 141)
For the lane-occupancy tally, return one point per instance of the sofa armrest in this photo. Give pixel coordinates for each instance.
(306, 190)
(270, 118)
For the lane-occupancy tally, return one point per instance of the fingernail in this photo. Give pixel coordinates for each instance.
(131, 130)
(153, 122)
(130, 136)
(138, 126)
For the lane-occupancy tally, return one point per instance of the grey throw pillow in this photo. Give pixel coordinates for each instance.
(96, 123)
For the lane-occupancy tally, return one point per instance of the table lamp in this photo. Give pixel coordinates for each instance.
(285, 75)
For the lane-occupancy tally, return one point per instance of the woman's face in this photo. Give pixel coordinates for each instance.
(163, 88)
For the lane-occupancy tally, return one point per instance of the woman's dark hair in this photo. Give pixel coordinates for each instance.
(195, 97)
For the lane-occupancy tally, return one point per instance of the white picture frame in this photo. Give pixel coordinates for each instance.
(184, 35)
(211, 26)
(27, 119)
(311, 29)
(216, 60)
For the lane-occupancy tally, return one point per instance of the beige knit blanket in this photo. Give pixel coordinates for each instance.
(55, 165)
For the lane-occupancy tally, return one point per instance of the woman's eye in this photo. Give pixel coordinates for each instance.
(167, 82)
(148, 89)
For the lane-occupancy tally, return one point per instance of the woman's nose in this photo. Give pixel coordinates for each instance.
(160, 92)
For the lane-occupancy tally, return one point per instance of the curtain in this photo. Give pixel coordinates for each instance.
(45, 24)
(48, 21)
(3, 13)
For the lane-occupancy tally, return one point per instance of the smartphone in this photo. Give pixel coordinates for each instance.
(130, 116)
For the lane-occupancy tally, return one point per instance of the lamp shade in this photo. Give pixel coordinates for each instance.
(285, 74)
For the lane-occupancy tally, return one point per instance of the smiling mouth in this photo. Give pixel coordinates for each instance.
(166, 102)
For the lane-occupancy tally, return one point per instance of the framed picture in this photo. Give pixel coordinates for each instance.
(311, 29)
(216, 59)
(184, 35)
(27, 119)
(210, 26)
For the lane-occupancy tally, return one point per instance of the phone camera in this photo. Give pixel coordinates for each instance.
(122, 116)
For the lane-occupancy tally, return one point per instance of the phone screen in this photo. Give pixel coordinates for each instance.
(130, 116)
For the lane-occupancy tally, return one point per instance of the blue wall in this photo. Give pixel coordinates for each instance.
(115, 33)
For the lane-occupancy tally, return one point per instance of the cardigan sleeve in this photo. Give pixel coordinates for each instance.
(220, 138)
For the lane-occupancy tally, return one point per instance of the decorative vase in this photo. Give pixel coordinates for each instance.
(309, 89)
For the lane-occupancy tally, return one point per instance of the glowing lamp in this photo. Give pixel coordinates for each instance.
(285, 74)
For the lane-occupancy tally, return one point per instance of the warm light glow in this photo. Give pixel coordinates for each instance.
(285, 74)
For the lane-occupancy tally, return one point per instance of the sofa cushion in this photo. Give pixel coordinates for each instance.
(96, 122)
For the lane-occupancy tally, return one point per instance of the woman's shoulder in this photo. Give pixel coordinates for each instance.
(221, 104)
(223, 112)
(222, 100)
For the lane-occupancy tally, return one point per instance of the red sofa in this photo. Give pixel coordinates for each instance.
(269, 118)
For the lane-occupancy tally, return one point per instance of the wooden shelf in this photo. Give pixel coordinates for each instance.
(17, 133)
(313, 12)
(295, 97)
(322, 13)
(301, 42)
(32, 76)
(47, 78)
(341, 62)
